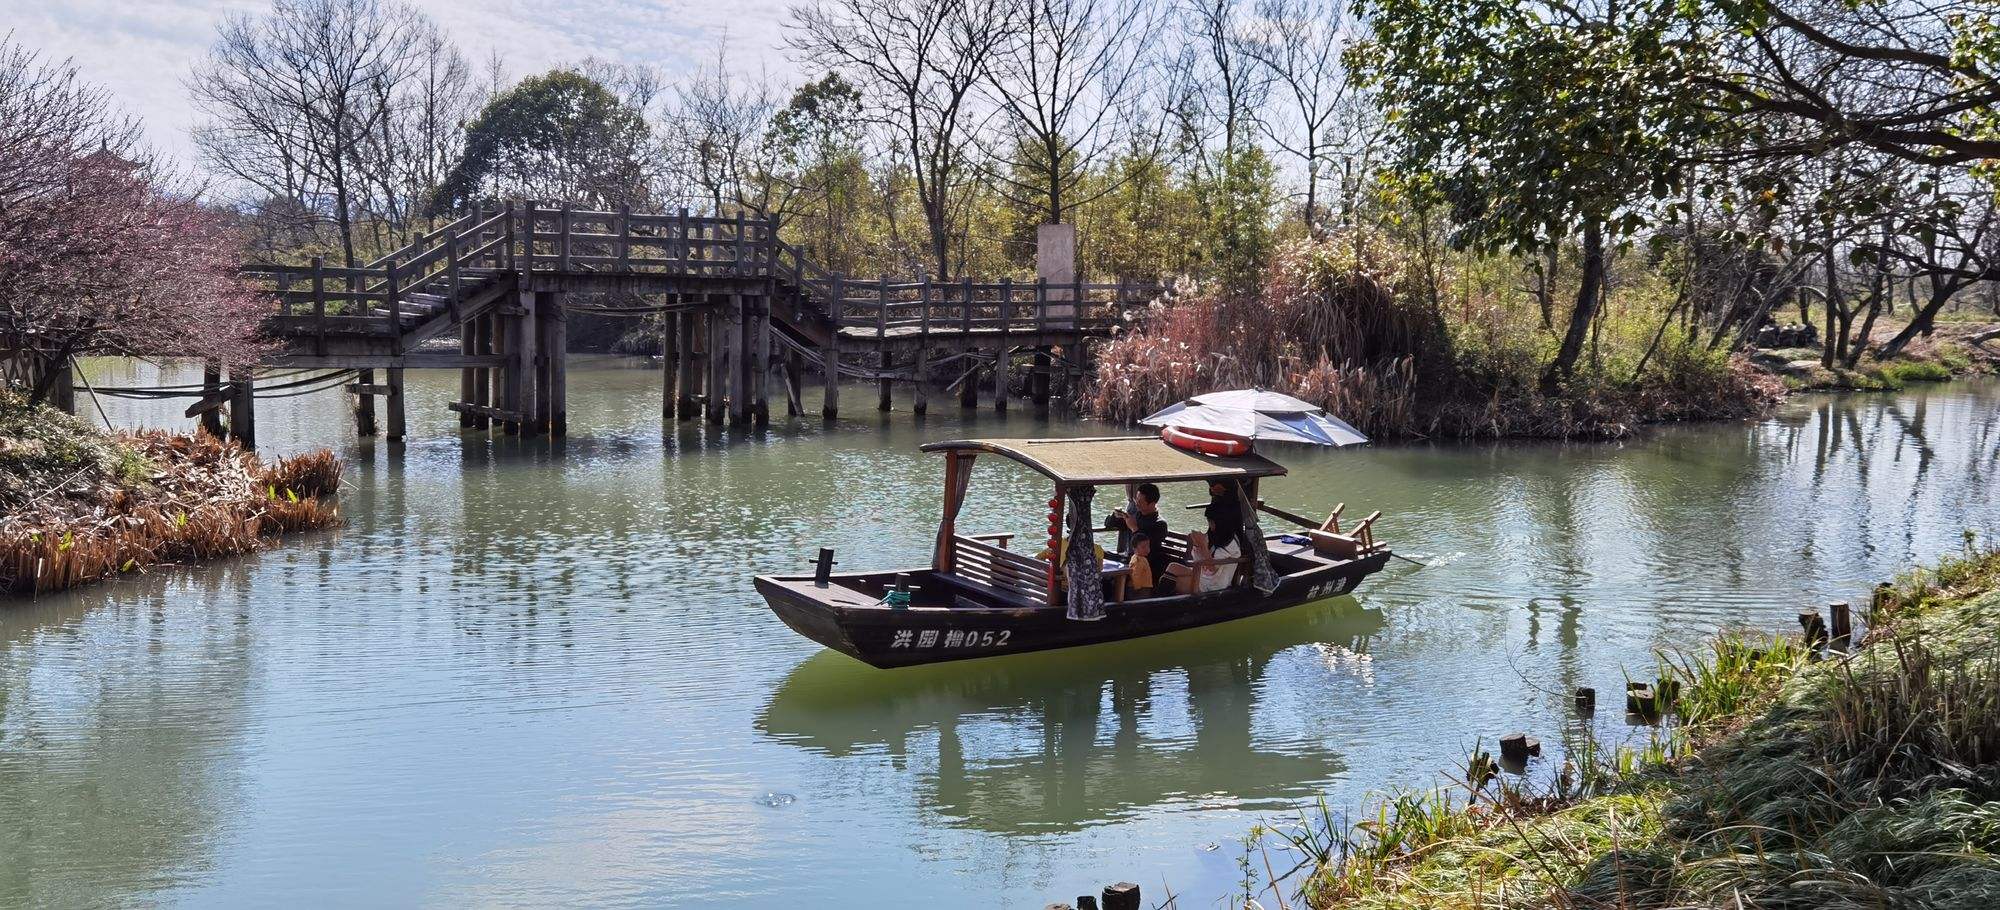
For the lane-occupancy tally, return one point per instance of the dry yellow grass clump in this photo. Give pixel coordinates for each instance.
(196, 498)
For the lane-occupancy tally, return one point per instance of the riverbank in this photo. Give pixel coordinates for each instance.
(81, 504)
(1365, 329)
(1778, 780)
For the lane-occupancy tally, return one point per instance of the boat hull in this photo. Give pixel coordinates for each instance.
(889, 637)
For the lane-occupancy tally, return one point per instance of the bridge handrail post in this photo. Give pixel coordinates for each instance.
(882, 308)
(736, 266)
(395, 308)
(319, 305)
(679, 250)
(768, 252)
(507, 233)
(839, 296)
(1006, 310)
(528, 236)
(924, 319)
(452, 278)
(625, 237)
(965, 295)
(562, 244)
(1041, 306)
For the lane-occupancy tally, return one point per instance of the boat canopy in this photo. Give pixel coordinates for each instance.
(1115, 459)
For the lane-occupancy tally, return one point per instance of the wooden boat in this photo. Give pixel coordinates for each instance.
(979, 598)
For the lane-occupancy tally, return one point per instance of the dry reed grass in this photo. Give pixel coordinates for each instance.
(1352, 324)
(204, 499)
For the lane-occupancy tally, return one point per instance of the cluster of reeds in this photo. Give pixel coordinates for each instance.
(203, 498)
(1356, 325)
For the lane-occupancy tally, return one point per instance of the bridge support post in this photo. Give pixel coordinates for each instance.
(829, 359)
(690, 373)
(1038, 381)
(968, 391)
(760, 362)
(1000, 370)
(716, 355)
(883, 362)
(468, 378)
(920, 403)
(482, 378)
(364, 405)
(556, 352)
(211, 389)
(395, 402)
(741, 374)
(537, 391)
(794, 377)
(670, 364)
(243, 409)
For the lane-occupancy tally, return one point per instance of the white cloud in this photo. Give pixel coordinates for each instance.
(142, 50)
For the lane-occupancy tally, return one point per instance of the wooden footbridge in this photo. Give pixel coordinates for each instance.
(487, 295)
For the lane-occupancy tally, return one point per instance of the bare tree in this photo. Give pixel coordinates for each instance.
(1299, 44)
(1062, 75)
(917, 63)
(713, 128)
(295, 97)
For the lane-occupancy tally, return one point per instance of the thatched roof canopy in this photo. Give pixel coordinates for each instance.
(1118, 459)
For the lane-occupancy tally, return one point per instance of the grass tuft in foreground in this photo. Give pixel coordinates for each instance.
(1782, 780)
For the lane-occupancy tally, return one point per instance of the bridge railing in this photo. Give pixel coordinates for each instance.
(966, 307)
(434, 270)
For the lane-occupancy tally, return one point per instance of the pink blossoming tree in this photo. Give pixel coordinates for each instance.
(101, 254)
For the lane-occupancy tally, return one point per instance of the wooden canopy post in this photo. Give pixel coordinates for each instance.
(1055, 586)
(941, 556)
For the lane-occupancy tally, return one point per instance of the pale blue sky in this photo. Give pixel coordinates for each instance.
(141, 50)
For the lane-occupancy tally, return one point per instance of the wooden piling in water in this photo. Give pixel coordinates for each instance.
(716, 360)
(211, 389)
(968, 391)
(242, 409)
(670, 364)
(1814, 629)
(1121, 896)
(1586, 699)
(468, 345)
(1843, 624)
(689, 369)
(364, 405)
(397, 425)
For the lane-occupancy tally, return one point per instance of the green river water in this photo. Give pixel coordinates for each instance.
(534, 673)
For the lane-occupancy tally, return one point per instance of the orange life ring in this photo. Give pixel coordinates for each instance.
(1206, 442)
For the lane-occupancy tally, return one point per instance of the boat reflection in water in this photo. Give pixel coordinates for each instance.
(1123, 727)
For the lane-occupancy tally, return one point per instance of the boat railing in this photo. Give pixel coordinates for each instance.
(998, 567)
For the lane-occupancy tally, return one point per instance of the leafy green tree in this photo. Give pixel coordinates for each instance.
(1537, 122)
(557, 136)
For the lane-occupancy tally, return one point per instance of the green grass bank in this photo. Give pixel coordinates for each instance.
(1779, 778)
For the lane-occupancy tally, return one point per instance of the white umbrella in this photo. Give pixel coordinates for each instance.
(1258, 415)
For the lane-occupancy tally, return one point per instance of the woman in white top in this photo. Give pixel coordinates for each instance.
(1223, 541)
